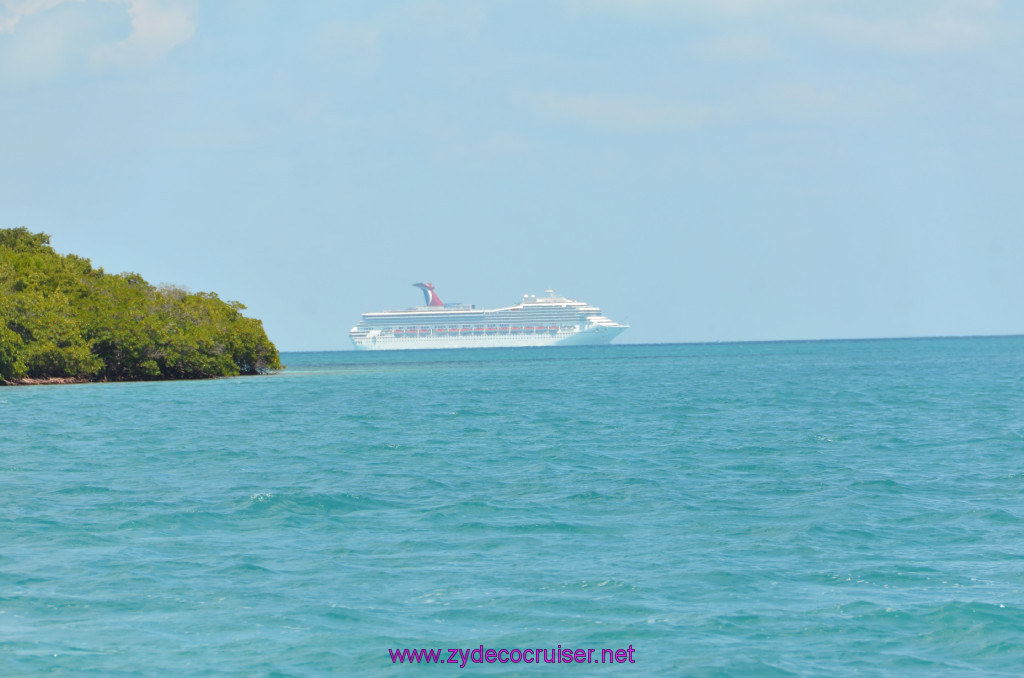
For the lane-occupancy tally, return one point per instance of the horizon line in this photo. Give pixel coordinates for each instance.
(703, 343)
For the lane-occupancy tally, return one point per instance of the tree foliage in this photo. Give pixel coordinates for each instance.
(60, 317)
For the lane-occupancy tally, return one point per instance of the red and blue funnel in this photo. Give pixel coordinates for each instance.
(429, 296)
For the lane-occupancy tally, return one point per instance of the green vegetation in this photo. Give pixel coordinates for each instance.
(62, 318)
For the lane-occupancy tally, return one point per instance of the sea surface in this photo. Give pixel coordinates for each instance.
(775, 509)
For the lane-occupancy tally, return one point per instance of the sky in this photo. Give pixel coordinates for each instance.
(704, 170)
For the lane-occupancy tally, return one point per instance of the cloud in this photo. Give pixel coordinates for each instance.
(13, 11)
(738, 47)
(707, 7)
(808, 100)
(40, 50)
(353, 46)
(940, 32)
(624, 114)
(158, 26)
(41, 38)
(908, 26)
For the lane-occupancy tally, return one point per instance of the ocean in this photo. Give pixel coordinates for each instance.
(762, 509)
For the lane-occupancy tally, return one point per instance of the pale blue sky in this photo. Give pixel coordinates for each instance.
(701, 169)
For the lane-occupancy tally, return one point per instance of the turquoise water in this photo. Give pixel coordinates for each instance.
(827, 508)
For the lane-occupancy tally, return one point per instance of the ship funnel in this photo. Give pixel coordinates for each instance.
(430, 298)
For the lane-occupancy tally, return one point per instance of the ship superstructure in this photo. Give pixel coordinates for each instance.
(550, 320)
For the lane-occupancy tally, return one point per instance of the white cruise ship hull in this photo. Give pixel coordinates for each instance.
(547, 321)
(376, 341)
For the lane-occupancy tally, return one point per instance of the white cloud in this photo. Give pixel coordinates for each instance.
(440, 17)
(353, 46)
(738, 47)
(40, 38)
(708, 7)
(809, 100)
(39, 50)
(13, 11)
(158, 26)
(909, 26)
(939, 32)
(624, 114)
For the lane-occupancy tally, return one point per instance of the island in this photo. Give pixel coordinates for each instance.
(63, 321)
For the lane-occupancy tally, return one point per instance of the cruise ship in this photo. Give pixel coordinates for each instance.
(535, 321)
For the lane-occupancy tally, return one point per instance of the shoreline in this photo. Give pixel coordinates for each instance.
(53, 381)
(45, 381)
